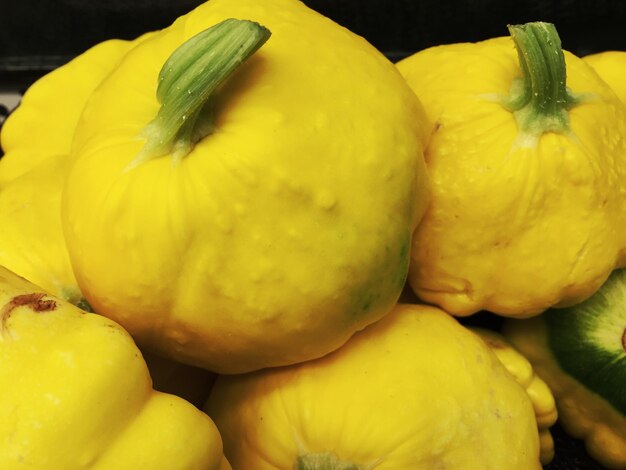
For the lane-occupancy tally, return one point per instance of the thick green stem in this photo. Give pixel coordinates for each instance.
(325, 461)
(188, 80)
(539, 99)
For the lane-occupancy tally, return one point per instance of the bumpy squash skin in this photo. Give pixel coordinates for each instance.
(31, 181)
(582, 413)
(75, 393)
(302, 201)
(611, 66)
(415, 390)
(514, 226)
(537, 390)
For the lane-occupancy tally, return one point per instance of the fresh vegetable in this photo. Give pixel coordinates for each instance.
(581, 354)
(537, 390)
(32, 174)
(528, 175)
(32, 245)
(75, 394)
(33, 169)
(31, 236)
(415, 390)
(258, 224)
(43, 124)
(611, 66)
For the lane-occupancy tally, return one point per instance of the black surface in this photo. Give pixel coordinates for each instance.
(37, 36)
(570, 453)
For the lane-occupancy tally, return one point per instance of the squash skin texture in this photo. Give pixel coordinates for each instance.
(538, 391)
(52, 105)
(76, 394)
(580, 353)
(413, 390)
(31, 236)
(514, 228)
(31, 181)
(33, 170)
(302, 201)
(611, 66)
(582, 413)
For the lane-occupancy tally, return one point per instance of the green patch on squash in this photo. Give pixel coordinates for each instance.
(587, 340)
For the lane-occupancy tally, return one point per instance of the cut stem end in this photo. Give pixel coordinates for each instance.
(539, 99)
(188, 80)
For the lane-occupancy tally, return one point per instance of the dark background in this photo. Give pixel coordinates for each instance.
(39, 35)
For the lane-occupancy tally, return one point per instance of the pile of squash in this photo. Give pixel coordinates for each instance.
(248, 241)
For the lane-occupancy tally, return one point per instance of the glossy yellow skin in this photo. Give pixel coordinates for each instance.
(514, 226)
(37, 138)
(537, 390)
(302, 201)
(611, 66)
(582, 413)
(31, 236)
(31, 181)
(75, 393)
(415, 390)
(43, 124)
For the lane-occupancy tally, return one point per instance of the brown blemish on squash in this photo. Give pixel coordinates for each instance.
(33, 300)
(492, 343)
(624, 340)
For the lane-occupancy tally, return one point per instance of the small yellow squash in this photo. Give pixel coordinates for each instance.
(537, 390)
(528, 175)
(415, 390)
(33, 169)
(237, 215)
(31, 236)
(75, 394)
(43, 123)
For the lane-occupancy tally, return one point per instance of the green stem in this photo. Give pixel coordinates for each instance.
(325, 461)
(539, 99)
(188, 80)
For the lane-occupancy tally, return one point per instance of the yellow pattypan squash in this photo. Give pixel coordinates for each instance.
(31, 181)
(611, 66)
(31, 236)
(537, 390)
(75, 394)
(33, 170)
(52, 106)
(581, 354)
(415, 390)
(528, 175)
(250, 221)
